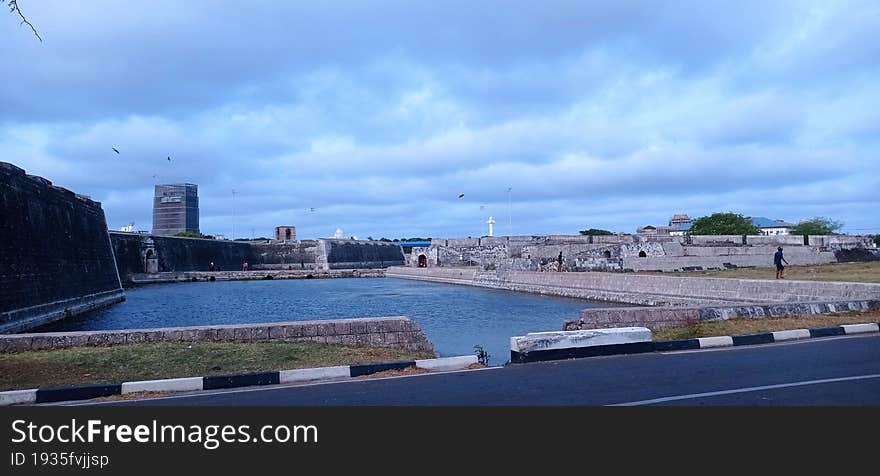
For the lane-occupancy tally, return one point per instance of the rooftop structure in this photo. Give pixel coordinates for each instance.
(285, 233)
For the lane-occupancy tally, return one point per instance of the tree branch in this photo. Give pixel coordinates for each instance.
(13, 8)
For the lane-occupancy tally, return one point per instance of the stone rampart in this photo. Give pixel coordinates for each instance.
(397, 332)
(134, 252)
(55, 254)
(623, 253)
(347, 254)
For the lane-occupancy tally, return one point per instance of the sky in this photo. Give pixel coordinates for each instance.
(374, 116)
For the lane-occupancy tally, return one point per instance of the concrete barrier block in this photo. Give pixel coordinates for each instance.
(537, 341)
(794, 334)
(164, 385)
(720, 341)
(860, 328)
(447, 363)
(320, 373)
(18, 396)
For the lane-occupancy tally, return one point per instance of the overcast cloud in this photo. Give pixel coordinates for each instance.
(378, 114)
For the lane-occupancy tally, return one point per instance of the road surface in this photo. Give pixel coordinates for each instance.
(838, 371)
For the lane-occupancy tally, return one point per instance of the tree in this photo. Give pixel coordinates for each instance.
(13, 8)
(724, 224)
(816, 226)
(595, 232)
(190, 234)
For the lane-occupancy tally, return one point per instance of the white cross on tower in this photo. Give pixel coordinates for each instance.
(491, 222)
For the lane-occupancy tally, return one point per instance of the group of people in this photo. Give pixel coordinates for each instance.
(211, 267)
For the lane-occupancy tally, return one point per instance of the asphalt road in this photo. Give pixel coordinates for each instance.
(839, 371)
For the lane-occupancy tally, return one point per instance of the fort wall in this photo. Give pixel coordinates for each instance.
(55, 254)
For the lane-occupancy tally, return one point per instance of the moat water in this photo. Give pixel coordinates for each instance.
(455, 318)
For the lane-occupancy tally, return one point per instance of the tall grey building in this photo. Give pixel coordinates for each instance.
(175, 209)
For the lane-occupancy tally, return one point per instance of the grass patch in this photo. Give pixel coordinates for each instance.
(739, 326)
(160, 360)
(868, 272)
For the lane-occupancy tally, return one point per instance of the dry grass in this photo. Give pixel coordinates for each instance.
(739, 326)
(851, 272)
(148, 361)
(413, 370)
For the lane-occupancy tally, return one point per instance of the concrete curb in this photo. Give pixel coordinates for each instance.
(764, 338)
(707, 342)
(87, 392)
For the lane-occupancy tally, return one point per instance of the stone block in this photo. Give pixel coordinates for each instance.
(325, 328)
(359, 327)
(362, 339)
(242, 334)
(15, 343)
(348, 339)
(341, 328)
(276, 332)
(106, 338)
(259, 333)
(538, 341)
(293, 331)
(310, 330)
(226, 334)
(374, 327)
(135, 337)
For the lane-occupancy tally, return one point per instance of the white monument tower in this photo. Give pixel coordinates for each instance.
(338, 233)
(491, 222)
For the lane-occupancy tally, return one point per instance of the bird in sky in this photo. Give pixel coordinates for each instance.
(114, 150)
(169, 159)
(460, 195)
(312, 209)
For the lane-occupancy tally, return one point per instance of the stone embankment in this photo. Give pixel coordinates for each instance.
(673, 300)
(397, 332)
(201, 276)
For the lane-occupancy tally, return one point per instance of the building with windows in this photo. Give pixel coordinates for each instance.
(175, 209)
(285, 233)
(770, 227)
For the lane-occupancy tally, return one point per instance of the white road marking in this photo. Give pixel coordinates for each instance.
(743, 390)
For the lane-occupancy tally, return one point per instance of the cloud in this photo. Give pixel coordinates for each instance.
(379, 114)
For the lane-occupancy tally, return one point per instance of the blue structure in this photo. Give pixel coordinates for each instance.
(413, 244)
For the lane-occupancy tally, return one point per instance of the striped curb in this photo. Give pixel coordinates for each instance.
(764, 338)
(212, 382)
(706, 342)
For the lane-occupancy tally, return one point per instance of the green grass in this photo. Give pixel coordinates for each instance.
(148, 361)
(868, 272)
(739, 326)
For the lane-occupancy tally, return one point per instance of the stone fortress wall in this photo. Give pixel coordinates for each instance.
(640, 253)
(55, 254)
(141, 254)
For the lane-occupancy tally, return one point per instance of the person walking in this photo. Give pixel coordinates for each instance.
(778, 259)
